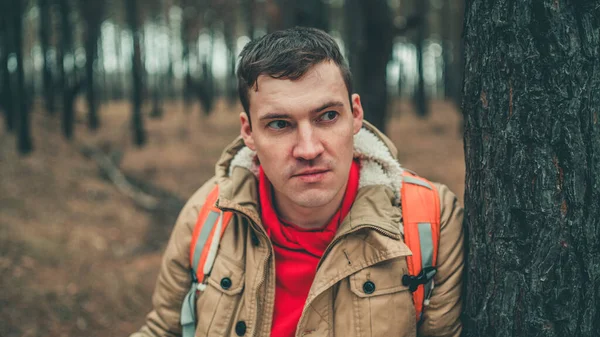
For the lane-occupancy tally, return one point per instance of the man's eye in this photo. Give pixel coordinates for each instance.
(277, 125)
(329, 116)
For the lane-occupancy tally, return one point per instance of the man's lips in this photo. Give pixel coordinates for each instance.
(310, 172)
(312, 175)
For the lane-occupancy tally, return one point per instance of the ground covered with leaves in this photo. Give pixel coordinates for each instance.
(78, 257)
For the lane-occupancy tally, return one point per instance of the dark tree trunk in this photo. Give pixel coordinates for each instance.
(21, 105)
(532, 146)
(446, 24)
(370, 36)
(454, 51)
(137, 121)
(231, 78)
(6, 94)
(249, 13)
(420, 99)
(117, 83)
(67, 75)
(93, 13)
(306, 13)
(45, 34)
(185, 59)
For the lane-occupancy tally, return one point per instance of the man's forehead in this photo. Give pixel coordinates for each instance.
(324, 71)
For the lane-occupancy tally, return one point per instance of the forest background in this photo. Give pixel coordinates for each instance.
(114, 112)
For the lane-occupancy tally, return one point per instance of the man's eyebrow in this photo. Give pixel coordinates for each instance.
(330, 104)
(275, 115)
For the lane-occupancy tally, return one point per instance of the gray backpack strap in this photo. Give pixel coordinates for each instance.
(207, 219)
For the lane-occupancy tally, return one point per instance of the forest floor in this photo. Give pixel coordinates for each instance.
(77, 257)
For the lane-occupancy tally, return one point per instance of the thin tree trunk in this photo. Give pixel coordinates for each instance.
(420, 99)
(137, 121)
(6, 95)
(532, 146)
(370, 36)
(24, 143)
(66, 56)
(445, 19)
(231, 86)
(249, 13)
(45, 34)
(91, 52)
(457, 52)
(93, 14)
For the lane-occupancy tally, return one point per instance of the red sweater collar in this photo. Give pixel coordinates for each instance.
(292, 237)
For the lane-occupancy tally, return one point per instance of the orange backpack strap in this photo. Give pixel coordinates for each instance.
(210, 226)
(421, 217)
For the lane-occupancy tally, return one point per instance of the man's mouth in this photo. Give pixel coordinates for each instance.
(311, 175)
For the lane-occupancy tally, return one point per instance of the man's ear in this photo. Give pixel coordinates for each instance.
(246, 131)
(357, 113)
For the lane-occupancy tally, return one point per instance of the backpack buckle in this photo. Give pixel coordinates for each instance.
(413, 282)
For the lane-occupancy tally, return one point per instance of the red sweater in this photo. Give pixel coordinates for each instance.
(297, 253)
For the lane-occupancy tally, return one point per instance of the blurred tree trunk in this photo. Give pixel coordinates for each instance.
(228, 32)
(93, 15)
(369, 38)
(445, 21)
(306, 13)
(420, 99)
(532, 146)
(249, 13)
(453, 50)
(6, 93)
(21, 105)
(68, 86)
(45, 27)
(137, 121)
(185, 60)
(205, 90)
(118, 87)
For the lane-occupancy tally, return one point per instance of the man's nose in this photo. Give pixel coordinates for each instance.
(308, 146)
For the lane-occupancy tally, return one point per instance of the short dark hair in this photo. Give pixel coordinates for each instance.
(287, 54)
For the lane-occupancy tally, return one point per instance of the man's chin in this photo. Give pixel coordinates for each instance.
(312, 199)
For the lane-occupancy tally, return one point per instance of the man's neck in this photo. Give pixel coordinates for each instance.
(307, 218)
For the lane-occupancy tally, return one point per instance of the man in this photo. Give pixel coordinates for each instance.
(314, 246)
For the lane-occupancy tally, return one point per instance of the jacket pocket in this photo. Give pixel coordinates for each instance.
(382, 305)
(217, 304)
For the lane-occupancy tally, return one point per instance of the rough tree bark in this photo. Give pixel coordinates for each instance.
(137, 121)
(369, 38)
(532, 146)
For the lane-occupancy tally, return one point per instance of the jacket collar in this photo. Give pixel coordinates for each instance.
(376, 204)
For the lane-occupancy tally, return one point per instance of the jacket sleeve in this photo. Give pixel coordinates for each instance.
(442, 316)
(174, 278)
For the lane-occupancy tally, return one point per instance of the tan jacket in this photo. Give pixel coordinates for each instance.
(367, 246)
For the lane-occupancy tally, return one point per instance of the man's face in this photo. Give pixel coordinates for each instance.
(302, 132)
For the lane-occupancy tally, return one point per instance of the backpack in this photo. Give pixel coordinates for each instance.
(421, 217)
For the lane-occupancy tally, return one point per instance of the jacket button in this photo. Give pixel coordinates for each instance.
(240, 328)
(369, 287)
(226, 283)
